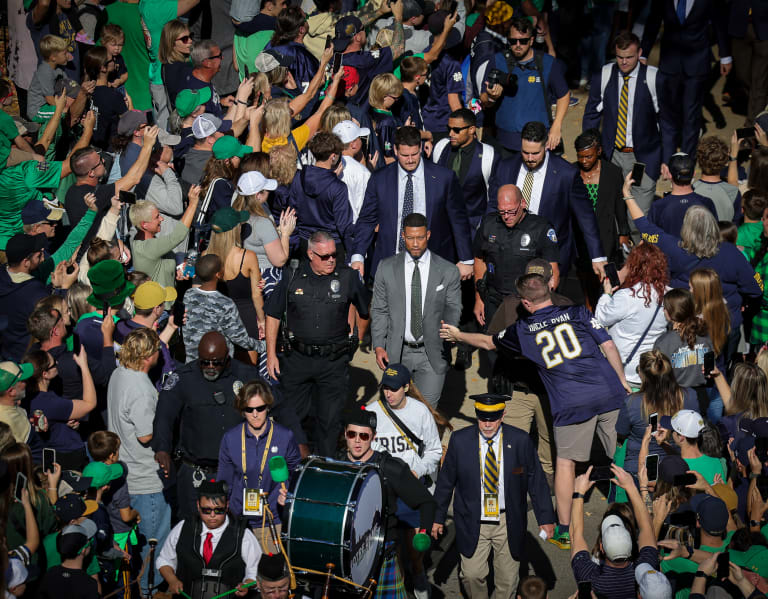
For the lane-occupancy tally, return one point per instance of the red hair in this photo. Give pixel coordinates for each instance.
(647, 264)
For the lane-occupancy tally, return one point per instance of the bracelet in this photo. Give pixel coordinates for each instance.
(754, 523)
(241, 102)
(700, 574)
(753, 475)
(628, 198)
(732, 158)
(577, 496)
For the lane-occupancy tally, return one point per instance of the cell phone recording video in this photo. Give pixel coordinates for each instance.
(76, 343)
(613, 274)
(49, 459)
(127, 197)
(585, 590)
(653, 420)
(601, 473)
(652, 466)
(21, 482)
(683, 480)
(336, 63)
(638, 170)
(745, 132)
(723, 566)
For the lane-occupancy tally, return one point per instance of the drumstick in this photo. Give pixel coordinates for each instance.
(327, 586)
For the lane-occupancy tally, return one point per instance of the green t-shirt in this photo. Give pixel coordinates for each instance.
(749, 238)
(683, 569)
(154, 15)
(754, 559)
(8, 132)
(18, 185)
(707, 466)
(134, 52)
(53, 557)
(248, 47)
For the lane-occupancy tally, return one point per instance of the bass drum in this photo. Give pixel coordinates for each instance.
(336, 515)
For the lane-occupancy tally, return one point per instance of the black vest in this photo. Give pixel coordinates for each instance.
(226, 562)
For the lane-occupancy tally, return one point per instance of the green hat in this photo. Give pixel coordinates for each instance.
(109, 284)
(11, 373)
(227, 218)
(228, 147)
(102, 474)
(189, 99)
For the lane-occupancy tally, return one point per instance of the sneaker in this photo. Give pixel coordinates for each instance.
(573, 101)
(561, 539)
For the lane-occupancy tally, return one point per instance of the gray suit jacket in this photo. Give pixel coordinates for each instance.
(442, 302)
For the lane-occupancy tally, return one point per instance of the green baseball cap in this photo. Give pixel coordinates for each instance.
(102, 474)
(189, 99)
(227, 218)
(11, 373)
(228, 147)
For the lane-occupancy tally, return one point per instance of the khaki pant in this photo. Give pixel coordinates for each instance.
(474, 569)
(264, 537)
(521, 411)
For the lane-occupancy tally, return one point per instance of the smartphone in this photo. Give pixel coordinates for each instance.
(451, 7)
(127, 197)
(652, 466)
(150, 118)
(328, 41)
(709, 363)
(638, 170)
(683, 480)
(761, 449)
(683, 519)
(601, 473)
(178, 313)
(75, 343)
(336, 63)
(585, 590)
(653, 420)
(49, 459)
(745, 132)
(762, 486)
(612, 274)
(21, 482)
(723, 567)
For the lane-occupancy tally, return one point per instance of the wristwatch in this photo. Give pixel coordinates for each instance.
(577, 496)
(700, 574)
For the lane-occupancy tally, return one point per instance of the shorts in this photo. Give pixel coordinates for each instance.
(574, 441)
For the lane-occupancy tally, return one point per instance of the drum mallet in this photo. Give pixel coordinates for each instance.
(421, 541)
(327, 586)
(278, 469)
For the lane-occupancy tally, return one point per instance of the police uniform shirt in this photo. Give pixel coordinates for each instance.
(538, 183)
(424, 272)
(250, 550)
(507, 251)
(498, 449)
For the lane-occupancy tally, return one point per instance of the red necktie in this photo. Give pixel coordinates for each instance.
(208, 548)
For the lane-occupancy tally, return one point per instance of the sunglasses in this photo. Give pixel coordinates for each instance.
(363, 435)
(214, 57)
(325, 257)
(259, 409)
(215, 510)
(459, 129)
(519, 41)
(212, 362)
(186, 39)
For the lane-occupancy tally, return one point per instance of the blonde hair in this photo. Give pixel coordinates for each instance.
(141, 212)
(762, 359)
(222, 244)
(708, 297)
(277, 76)
(277, 118)
(51, 44)
(383, 85)
(282, 164)
(335, 114)
(167, 52)
(251, 203)
(77, 300)
(139, 345)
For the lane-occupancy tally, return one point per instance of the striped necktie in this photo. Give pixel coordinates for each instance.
(621, 124)
(528, 187)
(490, 470)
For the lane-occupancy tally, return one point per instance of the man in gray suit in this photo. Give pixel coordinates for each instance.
(412, 293)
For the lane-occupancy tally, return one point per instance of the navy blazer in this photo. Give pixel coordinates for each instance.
(685, 49)
(646, 130)
(563, 197)
(450, 237)
(739, 16)
(460, 478)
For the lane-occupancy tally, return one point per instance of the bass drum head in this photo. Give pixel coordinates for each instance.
(366, 530)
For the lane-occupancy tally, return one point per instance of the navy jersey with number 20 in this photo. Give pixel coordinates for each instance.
(564, 342)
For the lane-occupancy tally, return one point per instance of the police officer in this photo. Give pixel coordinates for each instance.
(316, 341)
(200, 396)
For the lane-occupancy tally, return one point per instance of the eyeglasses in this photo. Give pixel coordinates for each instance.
(259, 409)
(215, 362)
(215, 510)
(51, 366)
(459, 129)
(186, 39)
(214, 57)
(519, 41)
(98, 164)
(509, 212)
(325, 257)
(277, 591)
(363, 435)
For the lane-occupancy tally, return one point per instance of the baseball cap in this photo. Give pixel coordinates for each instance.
(687, 423)
(101, 473)
(346, 28)
(435, 24)
(395, 376)
(11, 373)
(681, 167)
(189, 99)
(74, 537)
(253, 182)
(672, 466)
(539, 266)
(151, 294)
(131, 120)
(168, 139)
(348, 131)
(741, 448)
(351, 77)
(651, 583)
(71, 506)
(757, 426)
(498, 13)
(227, 218)
(77, 481)
(21, 245)
(207, 124)
(617, 542)
(36, 211)
(228, 147)
(269, 60)
(712, 513)
(762, 120)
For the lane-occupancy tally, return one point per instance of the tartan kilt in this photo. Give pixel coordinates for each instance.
(390, 584)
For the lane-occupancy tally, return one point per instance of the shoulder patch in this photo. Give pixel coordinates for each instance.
(375, 53)
(595, 324)
(457, 76)
(552, 236)
(170, 381)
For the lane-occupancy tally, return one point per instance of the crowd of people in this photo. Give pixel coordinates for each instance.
(207, 207)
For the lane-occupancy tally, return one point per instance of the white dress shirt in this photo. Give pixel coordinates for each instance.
(498, 450)
(250, 550)
(424, 272)
(538, 183)
(419, 195)
(630, 100)
(355, 176)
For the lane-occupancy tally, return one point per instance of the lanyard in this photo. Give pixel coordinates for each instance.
(406, 437)
(263, 456)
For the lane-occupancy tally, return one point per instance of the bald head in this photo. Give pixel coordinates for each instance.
(510, 205)
(212, 346)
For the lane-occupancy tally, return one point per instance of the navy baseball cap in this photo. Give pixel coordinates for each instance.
(36, 211)
(22, 246)
(742, 447)
(395, 376)
(346, 28)
(758, 427)
(712, 513)
(681, 167)
(672, 466)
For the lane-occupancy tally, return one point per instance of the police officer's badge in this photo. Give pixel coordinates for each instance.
(525, 240)
(552, 236)
(335, 285)
(236, 386)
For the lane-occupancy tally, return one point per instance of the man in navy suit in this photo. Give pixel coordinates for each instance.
(413, 185)
(488, 470)
(640, 137)
(685, 63)
(553, 189)
(748, 30)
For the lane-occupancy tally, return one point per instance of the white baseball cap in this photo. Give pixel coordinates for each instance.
(253, 182)
(348, 131)
(207, 124)
(687, 423)
(617, 542)
(168, 139)
(651, 583)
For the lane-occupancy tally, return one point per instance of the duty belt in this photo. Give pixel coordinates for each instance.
(320, 350)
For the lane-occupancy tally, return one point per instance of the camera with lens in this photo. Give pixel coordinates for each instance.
(507, 80)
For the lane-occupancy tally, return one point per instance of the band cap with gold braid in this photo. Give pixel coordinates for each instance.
(489, 406)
